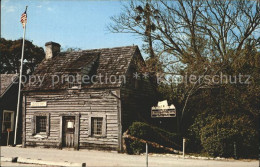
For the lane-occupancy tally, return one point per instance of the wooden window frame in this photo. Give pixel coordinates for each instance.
(34, 124)
(104, 125)
(12, 120)
(38, 123)
(96, 126)
(76, 77)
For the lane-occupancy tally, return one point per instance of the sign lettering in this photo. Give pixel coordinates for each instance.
(39, 104)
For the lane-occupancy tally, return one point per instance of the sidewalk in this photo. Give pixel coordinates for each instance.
(102, 158)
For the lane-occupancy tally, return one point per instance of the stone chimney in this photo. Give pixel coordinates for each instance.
(51, 49)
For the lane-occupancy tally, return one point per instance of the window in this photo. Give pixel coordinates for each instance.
(96, 125)
(74, 81)
(8, 120)
(41, 122)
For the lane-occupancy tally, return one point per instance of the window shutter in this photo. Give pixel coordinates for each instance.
(48, 124)
(33, 120)
(89, 126)
(104, 126)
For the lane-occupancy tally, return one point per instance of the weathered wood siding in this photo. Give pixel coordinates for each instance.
(137, 95)
(136, 105)
(81, 102)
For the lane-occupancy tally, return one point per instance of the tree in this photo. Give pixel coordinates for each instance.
(71, 49)
(182, 28)
(201, 37)
(11, 55)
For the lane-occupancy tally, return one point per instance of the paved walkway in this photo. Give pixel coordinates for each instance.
(102, 158)
(6, 164)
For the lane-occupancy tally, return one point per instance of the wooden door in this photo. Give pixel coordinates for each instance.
(68, 131)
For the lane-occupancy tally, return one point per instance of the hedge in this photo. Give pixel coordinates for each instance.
(222, 136)
(150, 133)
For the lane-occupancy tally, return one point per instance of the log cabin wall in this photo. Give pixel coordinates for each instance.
(136, 105)
(83, 104)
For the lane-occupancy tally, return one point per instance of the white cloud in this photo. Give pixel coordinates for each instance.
(6, 7)
(5, 1)
(39, 6)
(50, 9)
(9, 9)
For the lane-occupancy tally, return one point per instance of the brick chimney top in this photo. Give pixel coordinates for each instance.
(51, 49)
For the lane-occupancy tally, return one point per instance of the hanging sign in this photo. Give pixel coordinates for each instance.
(162, 110)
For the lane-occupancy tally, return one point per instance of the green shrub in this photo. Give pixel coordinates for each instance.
(147, 132)
(193, 143)
(137, 147)
(140, 130)
(219, 135)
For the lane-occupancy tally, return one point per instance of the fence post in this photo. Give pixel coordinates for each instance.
(235, 150)
(146, 155)
(183, 150)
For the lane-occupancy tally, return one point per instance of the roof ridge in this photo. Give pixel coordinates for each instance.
(97, 49)
(10, 84)
(117, 47)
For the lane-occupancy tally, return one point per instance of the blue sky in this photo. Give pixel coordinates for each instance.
(72, 23)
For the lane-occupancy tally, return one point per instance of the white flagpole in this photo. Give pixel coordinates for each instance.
(20, 82)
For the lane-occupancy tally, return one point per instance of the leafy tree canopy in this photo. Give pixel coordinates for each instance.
(11, 56)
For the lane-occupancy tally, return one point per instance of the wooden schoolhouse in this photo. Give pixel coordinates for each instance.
(93, 110)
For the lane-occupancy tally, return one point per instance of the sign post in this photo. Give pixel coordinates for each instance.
(146, 154)
(183, 150)
(8, 135)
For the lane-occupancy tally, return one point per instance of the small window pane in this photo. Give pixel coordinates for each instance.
(7, 121)
(7, 116)
(96, 125)
(41, 124)
(6, 125)
(74, 81)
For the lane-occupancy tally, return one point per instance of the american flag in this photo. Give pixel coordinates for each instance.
(24, 19)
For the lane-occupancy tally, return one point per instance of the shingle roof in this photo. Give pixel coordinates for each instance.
(6, 80)
(108, 61)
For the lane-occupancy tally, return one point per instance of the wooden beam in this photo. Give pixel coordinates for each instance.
(77, 127)
(119, 119)
(48, 124)
(60, 137)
